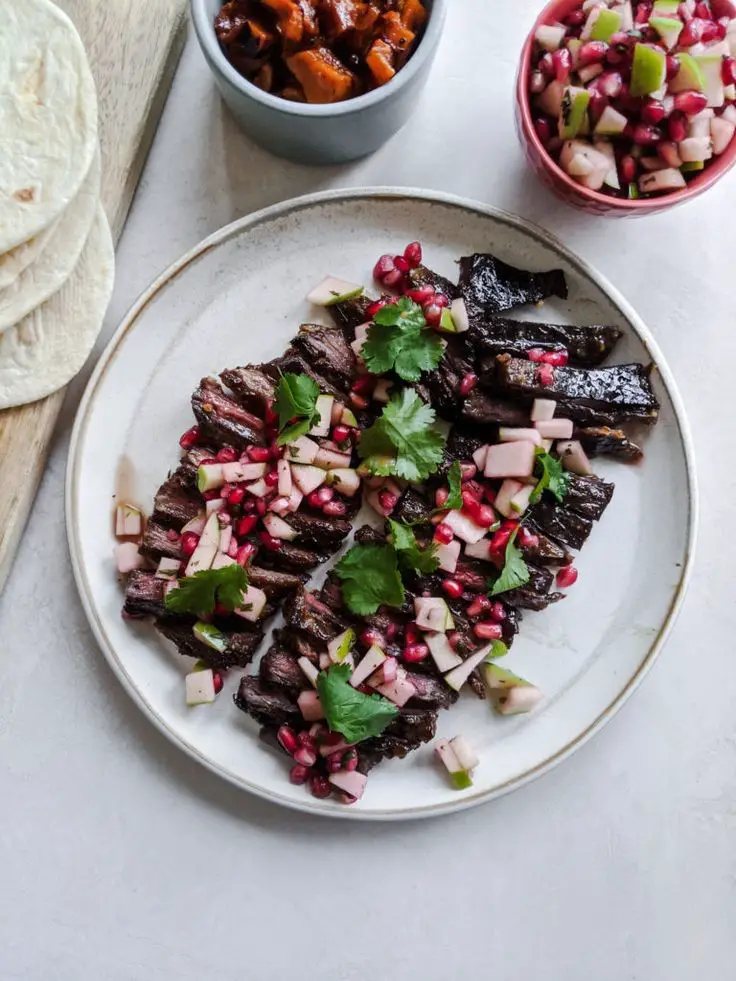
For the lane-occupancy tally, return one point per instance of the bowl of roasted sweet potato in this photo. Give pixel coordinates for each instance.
(320, 81)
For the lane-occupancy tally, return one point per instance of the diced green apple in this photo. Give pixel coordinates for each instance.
(252, 605)
(551, 99)
(302, 450)
(665, 8)
(627, 15)
(573, 111)
(307, 478)
(549, 36)
(433, 613)
(200, 687)
(323, 407)
(210, 477)
(211, 636)
(344, 480)
(648, 70)
(611, 122)
(689, 76)
(721, 133)
(660, 182)
(442, 653)
(611, 178)
(333, 290)
(460, 777)
(669, 29)
(206, 550)
(339, 647)
(710, 66)
(605, 26)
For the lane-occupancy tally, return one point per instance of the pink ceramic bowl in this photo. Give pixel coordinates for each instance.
(565, 187)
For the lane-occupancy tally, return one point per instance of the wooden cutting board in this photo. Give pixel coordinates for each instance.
(133, 48)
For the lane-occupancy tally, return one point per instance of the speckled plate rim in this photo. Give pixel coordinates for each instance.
(394, 194)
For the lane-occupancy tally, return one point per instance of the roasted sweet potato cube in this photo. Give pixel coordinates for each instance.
(413, 14)
(290, 19)
(322, 76)
(380, 61)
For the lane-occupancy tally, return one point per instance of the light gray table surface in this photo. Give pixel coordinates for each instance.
(121, 859)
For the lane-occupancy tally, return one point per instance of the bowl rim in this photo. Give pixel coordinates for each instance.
(696, 185)
(210, 46)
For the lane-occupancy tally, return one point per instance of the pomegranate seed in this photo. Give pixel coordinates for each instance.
(340, 433)
(575, 18)
(485, 516)
(207, 462)
(470, 499)
(537, 82)
(189, 542)
(319, 785)
(245, 553)
(414, 653)
(173, 536)
(276, 452)
(598, 102)
(350, 759)
(592, 53)
(288, 740)
(653, 111)
(535, 353)
(235, 496)
(702, 10)
(643, 13)
(335, 509)
(420, 295)
(374, 307)
(454, 639)
(546, 65)
(567, 576)
(227, 454)
(299, 774)
(413, 254)
(189, 438)
(371, 637)
(562, 60)
(334, 762)
(479, 605)
(305, 738)
(384, 267)
(401, 264)
(261, 506)
(677, 127)
(364, 385)
(433, 314)
(712, 32)
(487, 630)
(489, 494)
(318, 498)
(453, 588)
(271, 478)
(728, 71)
(441, 300)
(259, 454)
(440, 496)
(556, 358)
(543, 128)
(393, 279)
(467, 384)
(391, 630)
(673, 67)
(497, 611)
(443, 534)
(217, 681)
(627, 168)
(358, 402)
(387, 500)
(269, 542)
(306, 755)
(691, 33)
(545, 374)
(691, 103)
(526, 538)
(210, 495)
(646, 135)
(500, 539)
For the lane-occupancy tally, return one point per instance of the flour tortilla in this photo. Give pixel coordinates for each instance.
(48, 117)
(14, 262)
(46, 350)
(56, 262)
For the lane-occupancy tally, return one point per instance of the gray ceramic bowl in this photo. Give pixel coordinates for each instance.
(320, 133)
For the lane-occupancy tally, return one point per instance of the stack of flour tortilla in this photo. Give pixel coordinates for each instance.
(56, 252)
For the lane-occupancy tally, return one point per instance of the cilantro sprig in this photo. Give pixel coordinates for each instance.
(552, 477)
(515, 571)
(398, 339)
(455, 498)
(370, 578)
(200, 593)
(355, 715)
(296, 401)
(411, 556)
(403, 442)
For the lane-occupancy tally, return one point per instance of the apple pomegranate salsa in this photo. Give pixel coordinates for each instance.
(630, 98)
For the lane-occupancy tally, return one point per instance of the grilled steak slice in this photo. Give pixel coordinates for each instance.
(366, 535)
(240, 650)
(482, 409)
(157, 543)
(460, 446)
(588, 496)
(279, 669)
(432, 692)
(407, 732)
(422, 276)
(443, 383)
(586, 345)
(293, 361)
(223, 420)
(412, 507)
(546, 552)
(291, 558)
(268, 708)
(561, 524)
(535, 595)
(351, 313)
(187, 469)
(327, 351)
(623, 390)
(274, 584)
(306, 612)
(144, 595)
(320, 532)
(604, 441)
(252, 387)
(488, 284)
(176, 502)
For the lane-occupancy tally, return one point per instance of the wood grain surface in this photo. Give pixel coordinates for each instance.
(133, 47)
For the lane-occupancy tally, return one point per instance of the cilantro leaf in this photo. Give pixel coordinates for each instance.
(399, 339)
(411, 556)
(403, 442)
(370, 578)
(198, 594)
(350, 712)
(455, 498)
(296, 400)
(553, 477)
(515, 571)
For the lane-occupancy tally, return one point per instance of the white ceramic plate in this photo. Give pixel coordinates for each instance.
(237, 298)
